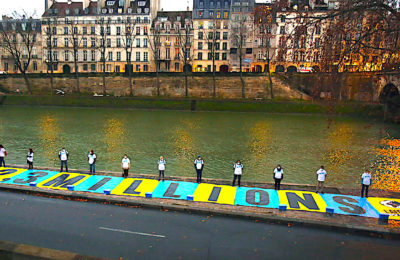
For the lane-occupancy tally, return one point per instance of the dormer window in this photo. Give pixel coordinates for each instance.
(67, 11)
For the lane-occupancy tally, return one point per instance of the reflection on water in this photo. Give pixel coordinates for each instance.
(387, 174)
(301, 143)
(49, 135)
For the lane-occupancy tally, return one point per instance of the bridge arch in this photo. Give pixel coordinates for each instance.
(389, 91)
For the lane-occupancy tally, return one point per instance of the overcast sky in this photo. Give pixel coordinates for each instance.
(37, 6)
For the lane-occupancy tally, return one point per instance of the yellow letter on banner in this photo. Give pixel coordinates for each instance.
(221, 194)
(387, 206)
(302, 200)
(62, 180)
(6, 173)
(135, 187)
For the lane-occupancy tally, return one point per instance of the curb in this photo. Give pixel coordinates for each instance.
(10, 250)
(270, 217)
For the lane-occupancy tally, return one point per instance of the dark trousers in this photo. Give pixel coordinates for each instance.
(125, 174)
(161, 173)
(30, 165)
(364, 188)
(2, 162)
(236, 177)
(277, 184)
(92, 168)
(199, 172)
(62, 166)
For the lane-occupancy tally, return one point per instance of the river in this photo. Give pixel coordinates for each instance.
(299, 142)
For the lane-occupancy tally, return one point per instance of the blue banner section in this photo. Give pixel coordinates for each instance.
(29, 176)
(174, 190)
(98, 184)
(350, 205)
(257, 197)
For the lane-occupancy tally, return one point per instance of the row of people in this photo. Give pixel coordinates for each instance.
(238, 168)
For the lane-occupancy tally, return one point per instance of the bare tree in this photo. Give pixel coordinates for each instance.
(76, 40)
(128, 39)
(154, 40)
(49, 32)
(18, 38)
(185, 35)
(103, 49)
(211, 39)
(264, 24)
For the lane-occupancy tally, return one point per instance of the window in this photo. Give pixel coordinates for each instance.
(108, 43)
(145, 31)
(35, 66)
(210, 56)
(108, 30)
(138, 68)
(224, 46)
(200, 56)
(5, 66)
(317, 30)
(85, 67)
(218, 14)
(224, 56)
(93, 42)
(66, 42)
(282, 30)
(200, 36)
(54, 42)
(210, 35)
(75, 30)
(177, 69)
(84, 30)
(118, 56)
(217, 35)
(200, 47)
(128, 56)
(92, 30)
(93, 67)
(302, 56)
(110, 56)
(137, 56)
(145, 43)
(65, 30)
(225, 36)
(217, 46)
(146, 56)
(167, 54)
(66, 55)
(85, 56)
(210, 46)
(118, 30)
(283, 18)
(54, 30)
(108, 67)
(84, 42)
(137, 43)
(93, 55)
(118, 42)
(137, 30)
(145, 67)
(226, 15)
(117, 69)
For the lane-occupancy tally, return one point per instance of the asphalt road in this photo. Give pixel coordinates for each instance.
(132, 233)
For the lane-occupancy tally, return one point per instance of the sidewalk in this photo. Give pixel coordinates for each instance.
(345, 223)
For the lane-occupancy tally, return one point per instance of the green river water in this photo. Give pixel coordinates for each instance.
(300, 143)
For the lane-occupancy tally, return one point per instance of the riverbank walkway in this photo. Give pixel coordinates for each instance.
(252, 202)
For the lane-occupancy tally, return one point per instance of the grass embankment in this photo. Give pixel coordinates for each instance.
(348, 108)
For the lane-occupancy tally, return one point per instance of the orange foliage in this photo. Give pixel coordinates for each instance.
(387, 175)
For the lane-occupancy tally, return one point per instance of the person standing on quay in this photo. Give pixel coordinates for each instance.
(3, 153)
(237, 174)
(63, 155)
(29, 159)
(125, 164)
(161, 168)
(199, 165)
(278, 176)
(92, 161)
(321, 173)
(365, 183)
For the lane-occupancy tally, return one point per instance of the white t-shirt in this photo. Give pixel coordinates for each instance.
(2, 152)
(321, 174)
(161, 165)
(29, 157)
(366, 177)
(238, 169)
(91, 158)
(199, 163)
(125, 163)
(63, 155)
(278, 173)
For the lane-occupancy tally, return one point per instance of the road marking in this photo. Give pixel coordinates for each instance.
(131, 232)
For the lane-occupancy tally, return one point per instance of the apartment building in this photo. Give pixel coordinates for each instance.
(211, 35)
(17, 31)
(110, 36)
(173, 32)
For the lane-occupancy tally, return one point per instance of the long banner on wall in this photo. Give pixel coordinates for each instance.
(212, 193)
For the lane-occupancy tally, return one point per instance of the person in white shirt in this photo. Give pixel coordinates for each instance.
(199, 165)
(63, 155)
(161, 168)
(3, 154)
(92, 162)
(237, 172)
(125, 164)
(365, 183)
(278, 176)
(321, 176)
(29, 159)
